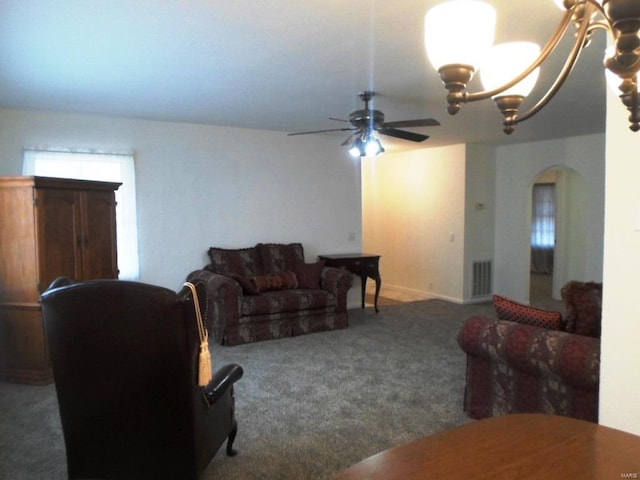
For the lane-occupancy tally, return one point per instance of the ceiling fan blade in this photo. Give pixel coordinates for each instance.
(393, 132)
(320, 131)
(339, 119)
(423, 122)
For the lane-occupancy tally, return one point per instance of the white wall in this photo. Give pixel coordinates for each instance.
(517, 166)
(620, 356)
(480, 197)
(200, 186)
(413, 215)
(479, 211)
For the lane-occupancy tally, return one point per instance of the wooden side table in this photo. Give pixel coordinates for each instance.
(362, 264)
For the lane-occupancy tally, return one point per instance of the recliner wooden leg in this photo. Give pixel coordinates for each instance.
(232, 436)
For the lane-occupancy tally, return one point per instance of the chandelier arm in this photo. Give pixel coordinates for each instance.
(600, 25)
(544, 54)
(571, 61)
(598, 6)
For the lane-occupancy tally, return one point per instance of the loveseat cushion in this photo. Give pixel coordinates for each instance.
(513, 311)
(309, 274)
(281, 301)
(239, 261)
(279, 257)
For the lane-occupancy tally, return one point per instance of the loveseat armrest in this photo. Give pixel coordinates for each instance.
(224, 295)
(338, 282)
(573, 359)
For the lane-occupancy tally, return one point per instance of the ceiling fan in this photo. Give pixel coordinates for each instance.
(366, 121)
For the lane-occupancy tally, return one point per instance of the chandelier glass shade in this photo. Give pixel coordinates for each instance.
(504, 62)
(509, 71)
(472, 18)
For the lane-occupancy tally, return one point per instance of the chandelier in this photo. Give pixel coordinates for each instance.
(459, 42)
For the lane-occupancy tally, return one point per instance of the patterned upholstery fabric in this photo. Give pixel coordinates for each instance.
(242, 261)
(309, 274)
(276, 257)
(507, 309)
(248, 288)
(274, 281)
(240, 313)
(583, 301)
(515, 368)
(286, 301)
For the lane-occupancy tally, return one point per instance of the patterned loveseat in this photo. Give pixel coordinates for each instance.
(268, 291)
(533, 360)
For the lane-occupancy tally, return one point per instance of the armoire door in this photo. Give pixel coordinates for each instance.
(77, 235)
(59, 235)
(99, 257)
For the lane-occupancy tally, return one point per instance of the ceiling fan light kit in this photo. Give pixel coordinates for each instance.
(459, 36)
(369, 146)
(367, 121)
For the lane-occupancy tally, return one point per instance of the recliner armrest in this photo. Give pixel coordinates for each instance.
(222, 380)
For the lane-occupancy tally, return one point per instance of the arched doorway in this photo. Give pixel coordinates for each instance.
(557, 235)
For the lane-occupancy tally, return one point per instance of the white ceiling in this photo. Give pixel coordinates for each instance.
(270, 64)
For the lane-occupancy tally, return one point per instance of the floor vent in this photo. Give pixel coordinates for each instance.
(481, 278)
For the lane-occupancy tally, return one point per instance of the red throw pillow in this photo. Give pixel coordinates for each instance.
(274, 281)
(525, 314)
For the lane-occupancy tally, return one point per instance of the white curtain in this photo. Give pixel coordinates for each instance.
(543, 227)
(103, 166)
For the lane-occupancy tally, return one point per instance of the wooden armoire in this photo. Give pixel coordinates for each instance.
(49, 227)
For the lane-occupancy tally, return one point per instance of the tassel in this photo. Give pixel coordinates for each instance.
(205, 369)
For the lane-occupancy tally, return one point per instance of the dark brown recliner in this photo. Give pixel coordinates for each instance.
(125, 364)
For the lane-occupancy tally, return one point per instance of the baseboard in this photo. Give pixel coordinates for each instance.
(404, 294)
(484, 299)
(399, 293)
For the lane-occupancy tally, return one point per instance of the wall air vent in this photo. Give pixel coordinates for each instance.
(481, 285)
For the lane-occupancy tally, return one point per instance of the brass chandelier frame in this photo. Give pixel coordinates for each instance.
(621, 18)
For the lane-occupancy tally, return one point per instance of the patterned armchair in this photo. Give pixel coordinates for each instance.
(268, 291)
(514, 365)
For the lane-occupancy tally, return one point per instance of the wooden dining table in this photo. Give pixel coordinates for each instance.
(514, 447)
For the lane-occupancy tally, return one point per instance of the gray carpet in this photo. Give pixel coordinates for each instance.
(307, 406)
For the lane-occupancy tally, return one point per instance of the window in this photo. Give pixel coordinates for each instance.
(543, 231)
(543, 227)
(108, 167)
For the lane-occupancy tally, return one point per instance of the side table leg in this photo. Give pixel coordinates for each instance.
(378, 284)
(363, 282)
